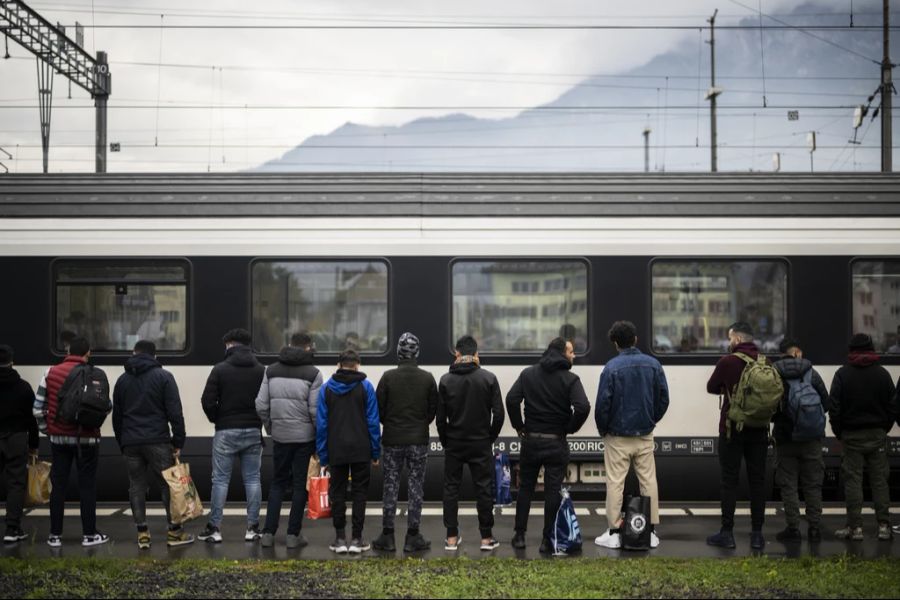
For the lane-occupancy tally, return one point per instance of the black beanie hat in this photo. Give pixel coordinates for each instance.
(861, 342)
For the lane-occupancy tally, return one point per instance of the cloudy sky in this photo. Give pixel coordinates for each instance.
(228, 96)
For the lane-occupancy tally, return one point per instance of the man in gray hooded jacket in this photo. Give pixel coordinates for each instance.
(286, 404)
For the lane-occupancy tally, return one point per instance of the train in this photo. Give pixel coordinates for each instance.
(356, 259)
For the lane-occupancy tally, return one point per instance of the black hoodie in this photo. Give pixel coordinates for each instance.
(145, 403)
(229, 398)
(862, 396)
(794, 368)
(16, 403)
(470, 407)
(555, 401)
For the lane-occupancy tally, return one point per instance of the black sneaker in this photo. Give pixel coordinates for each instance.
(416, 543)
(358, 545)
(546, 547)
(757, 541)
(518, 541)
(211, 534)
(814, 534)
(13, 535)
(789, 534)
(723, 539)
(385, 543)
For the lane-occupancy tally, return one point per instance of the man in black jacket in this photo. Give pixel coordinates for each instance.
(469, 419)
(799, 460)
(145, 403)
(18, 439)
(229, 401)
(863, 409)
(555, 406)
(407, 401)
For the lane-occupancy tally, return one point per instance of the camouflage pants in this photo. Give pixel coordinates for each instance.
(415, 459)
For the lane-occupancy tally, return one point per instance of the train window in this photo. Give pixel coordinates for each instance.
(519, 306)
(116, 303)
(341, 304)
(694, 302)
(876, 302)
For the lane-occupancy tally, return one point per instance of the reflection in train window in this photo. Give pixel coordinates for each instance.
(519, 306)
(342, 305)
(876, 302)
(116, 303)
(694, 303)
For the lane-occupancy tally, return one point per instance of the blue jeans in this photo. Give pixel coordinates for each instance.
(291, 462)
(246, 445)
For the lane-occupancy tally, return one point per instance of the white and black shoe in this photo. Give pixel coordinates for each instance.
(94, 540)
(14, 535)
(252, 533)
(211, 534)
(358, 545)
(488, 545)
(54, 541)
(338, 546)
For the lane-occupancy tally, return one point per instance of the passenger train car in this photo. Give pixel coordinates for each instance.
(515, 260)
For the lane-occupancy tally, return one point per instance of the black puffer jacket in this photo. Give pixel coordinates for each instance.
(407, 402)
(470, 407)
(794, 368)
(229, 399)
(145, 403)
(16, 403)
(555, 401)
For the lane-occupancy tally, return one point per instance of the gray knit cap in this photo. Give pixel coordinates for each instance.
(408, 346)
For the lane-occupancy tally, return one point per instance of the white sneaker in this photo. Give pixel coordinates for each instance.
(609, 540)
(54, 541)
(654, 539)
(94, 540)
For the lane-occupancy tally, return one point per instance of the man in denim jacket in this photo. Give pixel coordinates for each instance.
(633, 397)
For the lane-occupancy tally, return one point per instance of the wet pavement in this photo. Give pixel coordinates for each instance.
(683, 533)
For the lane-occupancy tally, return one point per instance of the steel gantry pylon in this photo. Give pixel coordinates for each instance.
(56, 53)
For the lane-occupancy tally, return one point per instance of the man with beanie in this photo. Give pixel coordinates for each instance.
(229, 401)
(863, 409)
(145, 403)
(70, 443)
(18, 440)
(798, 462)
(348, 439)
(632, 398)
(750, 444)
(555, 406)
(286, 405)
(469, 419)
(407, 401)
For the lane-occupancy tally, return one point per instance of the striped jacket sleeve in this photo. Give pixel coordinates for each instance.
(40, 404)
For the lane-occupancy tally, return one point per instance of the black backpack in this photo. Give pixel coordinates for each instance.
(83, 398)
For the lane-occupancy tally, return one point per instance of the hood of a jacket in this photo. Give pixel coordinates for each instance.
(863, 359)
(240, 356)
(344, 380)
(793, 368)
(464, 368)
(552, 360)
(293, 356)
(141, 363)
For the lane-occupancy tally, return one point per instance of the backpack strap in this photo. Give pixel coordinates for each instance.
(744, 357)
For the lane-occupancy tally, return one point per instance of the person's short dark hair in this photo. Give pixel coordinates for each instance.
(239, 336)
(788, 343)
(145, 347)
(466, 345)
(79, 346)
(348, 358)
(301, 340)
(741, 327)
(6, 355)
(558, 344)
(66, 336)
(623, 333)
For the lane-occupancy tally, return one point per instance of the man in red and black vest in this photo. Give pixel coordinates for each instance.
(70, 443)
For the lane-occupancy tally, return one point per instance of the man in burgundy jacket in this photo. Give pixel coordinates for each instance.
(751, 444)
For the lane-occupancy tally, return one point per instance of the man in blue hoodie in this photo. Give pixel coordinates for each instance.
(145, 403)
(632, 398)
(348, 438)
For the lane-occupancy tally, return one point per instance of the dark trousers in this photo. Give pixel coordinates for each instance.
(337, 493)
(799, 465)
(479, 457)
(553, 455)
(145, 463)
(85, 459)
(416, 459)
(866, 449)
(751, 446)
(13, 461)
(291, 462)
